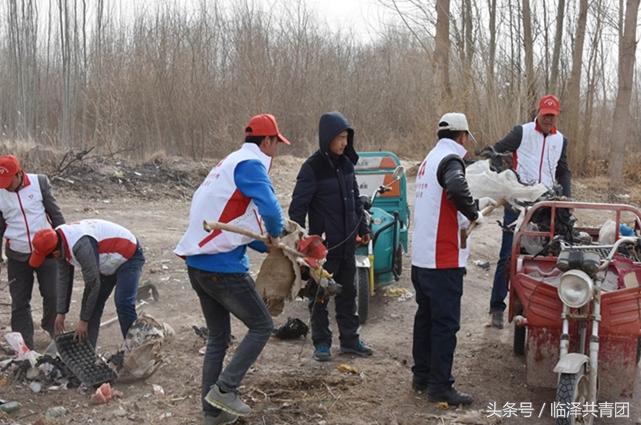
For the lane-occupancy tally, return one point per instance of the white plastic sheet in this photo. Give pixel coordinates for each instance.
(484, 182)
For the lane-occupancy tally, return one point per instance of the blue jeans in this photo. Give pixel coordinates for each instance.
(501, 275)
(125, 280)
(437, 320)
(221, 294)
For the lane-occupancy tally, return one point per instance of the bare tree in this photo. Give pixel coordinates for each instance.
(528, 46)
(442, 49)
(558, 39)
(621, 121)
(572, 117)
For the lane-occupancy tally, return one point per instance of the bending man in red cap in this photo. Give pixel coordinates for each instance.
(539, 155)
(109, 257)
(27, 205)
(237, 191)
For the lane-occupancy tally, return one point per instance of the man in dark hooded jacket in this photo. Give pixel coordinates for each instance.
(327, 193)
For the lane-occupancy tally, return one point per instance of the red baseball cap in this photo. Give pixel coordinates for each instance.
(44, 243)
(9, 167)
(549, 105)
(264, 125)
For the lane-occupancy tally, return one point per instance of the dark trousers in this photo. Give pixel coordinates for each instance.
(437, 320)
(21, 278)
(221, 294)
(343, 270)
(125, 281)
(501, 275)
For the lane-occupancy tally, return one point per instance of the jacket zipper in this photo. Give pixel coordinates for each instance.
(542, 155)
(26, 223)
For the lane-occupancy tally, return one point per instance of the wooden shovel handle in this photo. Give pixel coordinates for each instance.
(216, 225)
(485, 211)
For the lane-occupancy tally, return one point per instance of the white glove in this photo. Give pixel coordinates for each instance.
(480, 219)
(486, 202)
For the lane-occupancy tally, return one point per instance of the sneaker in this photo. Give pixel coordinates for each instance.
(451, 397)
(418, 385)
(322, 353)
(360, 349)
(221, 419)
(497, 319)
(229, 402)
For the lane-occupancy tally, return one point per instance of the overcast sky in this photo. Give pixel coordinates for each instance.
(363, 16)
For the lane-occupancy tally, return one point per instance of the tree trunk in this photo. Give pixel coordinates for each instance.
(558, 39)
(572, 116)
(621, 121)
(528, 46)
(442, 52)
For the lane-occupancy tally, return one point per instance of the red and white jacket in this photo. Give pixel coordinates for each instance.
(24, 213)
(116, 244)
(219, 199)
(436, 240)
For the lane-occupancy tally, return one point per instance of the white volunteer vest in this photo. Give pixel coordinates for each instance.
(436, 240)
(537, 157)
(24, 213)
(218, 199)
(116, 244)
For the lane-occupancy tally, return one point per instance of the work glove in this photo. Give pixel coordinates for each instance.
(480, 219)
(485, 202)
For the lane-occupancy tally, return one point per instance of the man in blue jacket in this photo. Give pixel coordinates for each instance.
(326, 193)
(237, 191)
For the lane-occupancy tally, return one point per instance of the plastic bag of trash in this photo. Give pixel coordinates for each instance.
(142, 348)
(292, 329)
(17, 344)
(279, 278)
(484, 182)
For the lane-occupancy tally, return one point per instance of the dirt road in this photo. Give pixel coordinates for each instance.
(286, 386)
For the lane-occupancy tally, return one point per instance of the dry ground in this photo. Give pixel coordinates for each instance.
(285, 386)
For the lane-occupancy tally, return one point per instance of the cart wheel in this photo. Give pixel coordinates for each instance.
(572, 389)
(362, 290)
(398, 262)
(519, 339)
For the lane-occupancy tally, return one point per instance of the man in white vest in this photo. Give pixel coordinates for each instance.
(109, 257)
(443, 209)
(237, 191)
(539, 155)
(27, 205)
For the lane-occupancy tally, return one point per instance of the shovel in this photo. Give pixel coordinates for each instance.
(147, 294)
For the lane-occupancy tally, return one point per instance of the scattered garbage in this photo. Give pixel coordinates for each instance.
(56, 412)
(158, 390)
(345, 368)
(80, 357)
(9, 406)
(35, 386)
(22, 352)
(292, 329)
(401, 294)
(483, 264)
(119, 412)
(141, 350)
(104, 394)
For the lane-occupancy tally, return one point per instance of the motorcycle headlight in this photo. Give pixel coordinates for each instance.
(576, 288)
